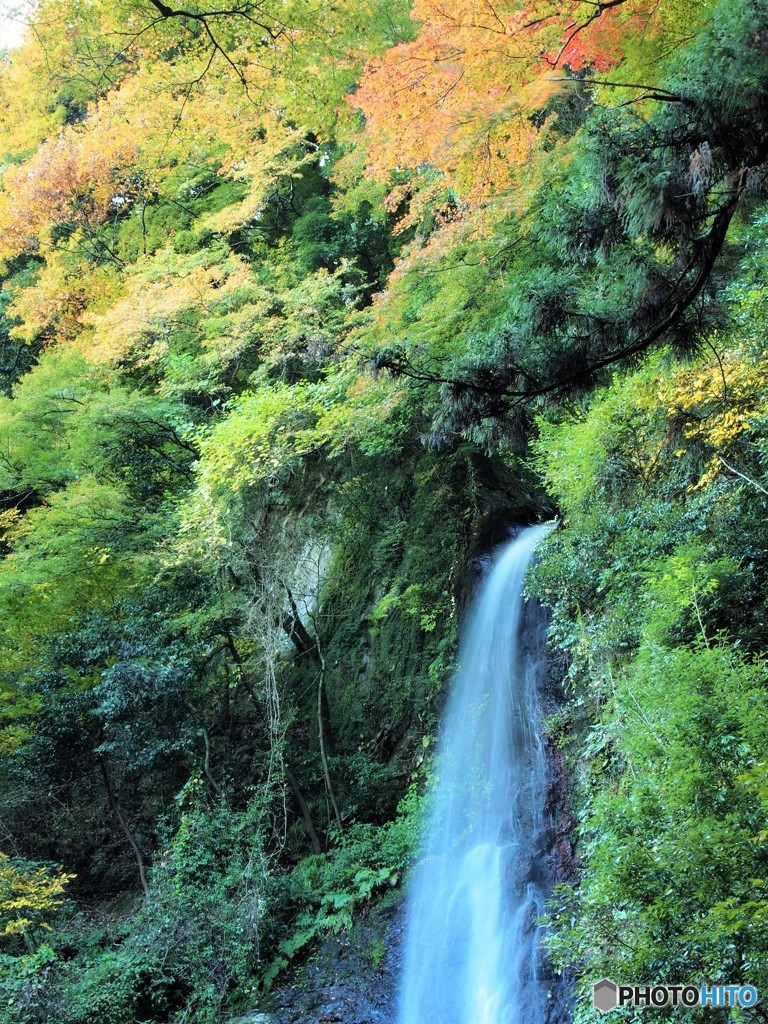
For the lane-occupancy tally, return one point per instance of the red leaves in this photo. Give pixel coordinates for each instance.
(460, 97)
(71, 180)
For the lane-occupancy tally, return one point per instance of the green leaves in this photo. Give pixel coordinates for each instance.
(659, 605)
(671, 846)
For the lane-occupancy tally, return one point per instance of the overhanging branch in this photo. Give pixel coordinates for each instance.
(206, 19)
(669, 312)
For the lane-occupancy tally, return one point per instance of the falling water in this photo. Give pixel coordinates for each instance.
(471, 945)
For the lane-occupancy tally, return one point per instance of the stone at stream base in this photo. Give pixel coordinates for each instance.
(349, 979)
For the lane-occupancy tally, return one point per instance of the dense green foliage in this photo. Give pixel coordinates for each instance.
(263, 398)
(660, 577)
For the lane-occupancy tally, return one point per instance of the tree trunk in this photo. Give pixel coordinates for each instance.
(316, 847)
(321, 733)
(129, 835)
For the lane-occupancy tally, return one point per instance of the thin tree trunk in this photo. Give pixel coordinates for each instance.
(207, 764)
(316, 847)
(742, 475)
(321, 732)
(129, 835)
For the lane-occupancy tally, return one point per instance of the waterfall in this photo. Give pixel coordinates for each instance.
(471, 953)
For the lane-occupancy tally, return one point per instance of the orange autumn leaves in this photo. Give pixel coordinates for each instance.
(469, 100)
(68, 181)
(468, 96)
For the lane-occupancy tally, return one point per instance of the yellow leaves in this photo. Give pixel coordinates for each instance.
(278, 152)
(543, 88)
(28, 893)
(652, 418)
(51, 307)
(164, 294)
(718, 402)
(96, 556)
(126, 150)
(9, 517)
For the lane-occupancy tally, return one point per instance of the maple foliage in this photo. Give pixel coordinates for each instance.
(471, 94)
(50, 308)
(73, 55)
(70, 181)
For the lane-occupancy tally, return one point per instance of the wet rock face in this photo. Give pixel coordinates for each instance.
(563, 864)
(350, 979)
(353, 978)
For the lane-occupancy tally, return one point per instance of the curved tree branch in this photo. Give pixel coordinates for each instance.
(669, 310)
(247, 11)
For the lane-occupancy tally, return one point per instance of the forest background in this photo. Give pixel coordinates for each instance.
(303, 303)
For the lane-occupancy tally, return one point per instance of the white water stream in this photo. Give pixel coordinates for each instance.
(471, 953)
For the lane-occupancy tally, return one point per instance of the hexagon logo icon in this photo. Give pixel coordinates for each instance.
(605, 995)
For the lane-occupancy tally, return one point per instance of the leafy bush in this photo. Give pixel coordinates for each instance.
(324, 891)
(676, 881)
(190, 947)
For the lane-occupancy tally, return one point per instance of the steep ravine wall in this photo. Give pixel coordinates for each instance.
(352, 978)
